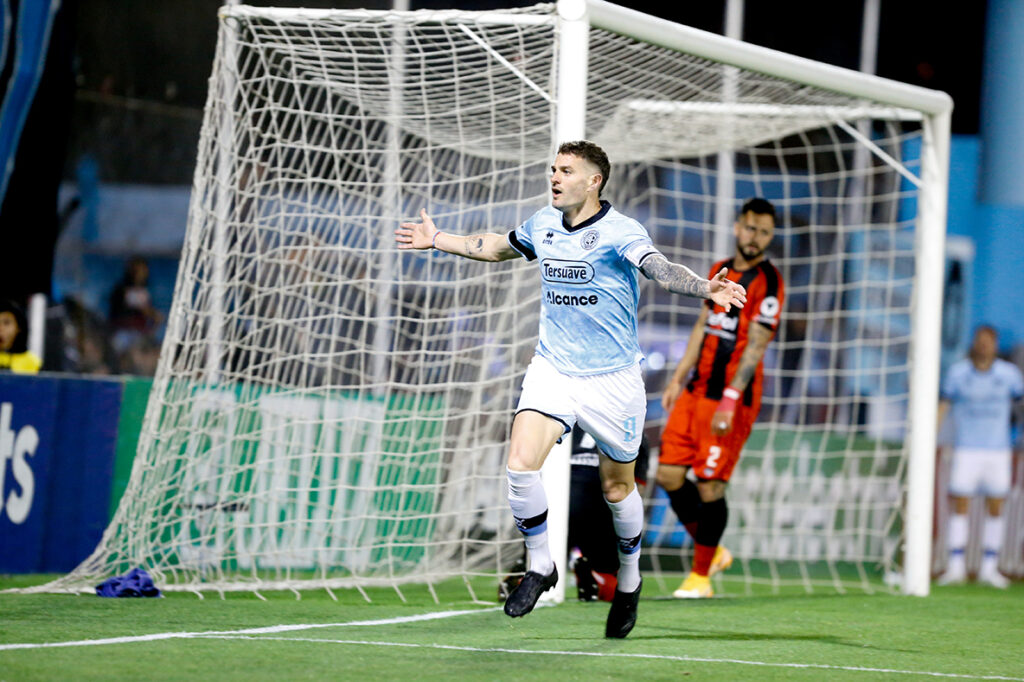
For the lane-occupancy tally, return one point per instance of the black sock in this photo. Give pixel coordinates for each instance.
(685, 502)
(711, 521)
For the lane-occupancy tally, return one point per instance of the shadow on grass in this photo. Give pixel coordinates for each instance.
(684, 634)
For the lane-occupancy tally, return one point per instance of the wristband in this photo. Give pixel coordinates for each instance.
(728, 402)
(434, 239)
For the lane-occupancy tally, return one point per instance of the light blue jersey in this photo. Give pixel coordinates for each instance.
(981, 403)
(589, 289)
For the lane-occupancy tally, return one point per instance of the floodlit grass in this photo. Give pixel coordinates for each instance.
(969, 631)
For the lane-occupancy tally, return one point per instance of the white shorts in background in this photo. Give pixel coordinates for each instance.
(611, 407)
(976, 471)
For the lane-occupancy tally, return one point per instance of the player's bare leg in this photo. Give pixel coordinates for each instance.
(533, 436)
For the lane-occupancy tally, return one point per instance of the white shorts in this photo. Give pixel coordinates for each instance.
(975, 471)
(611, 407)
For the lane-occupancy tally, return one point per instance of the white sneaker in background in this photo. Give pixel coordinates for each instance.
(994, 578)
(955, 574)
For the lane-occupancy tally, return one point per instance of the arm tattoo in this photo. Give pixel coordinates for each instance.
(474, 245)
(676, 278)
(745, 372)
(751, 358)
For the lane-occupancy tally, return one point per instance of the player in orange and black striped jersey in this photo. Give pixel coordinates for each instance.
(710, 420)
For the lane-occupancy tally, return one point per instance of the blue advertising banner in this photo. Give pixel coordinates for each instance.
(27, 424)
(57, 444)
(80, 475)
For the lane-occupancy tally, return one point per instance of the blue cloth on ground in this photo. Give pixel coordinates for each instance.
(134, 583)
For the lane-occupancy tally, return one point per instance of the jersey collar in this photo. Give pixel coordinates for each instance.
(605, 207)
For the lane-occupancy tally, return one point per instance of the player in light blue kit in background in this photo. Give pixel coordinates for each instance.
(979, 392)
(586, 366)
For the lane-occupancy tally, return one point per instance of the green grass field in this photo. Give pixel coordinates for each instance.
(966, 632)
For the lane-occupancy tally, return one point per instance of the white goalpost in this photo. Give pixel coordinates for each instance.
(330, 413)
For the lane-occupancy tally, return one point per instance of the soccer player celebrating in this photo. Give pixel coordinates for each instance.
(710, 419)
(980, 391)
(586, 366)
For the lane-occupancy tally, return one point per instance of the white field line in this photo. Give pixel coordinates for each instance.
(603, 654)
(250, 634)
(273, 629)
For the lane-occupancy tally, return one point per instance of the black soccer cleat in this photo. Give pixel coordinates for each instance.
(524, 598)
(622, 615)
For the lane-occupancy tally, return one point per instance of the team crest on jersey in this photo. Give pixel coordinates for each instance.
(589, 240)
(769, 311)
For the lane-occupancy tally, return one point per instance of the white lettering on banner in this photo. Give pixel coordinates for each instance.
(803, 512)
(16, 446)
(315, 469)
(206, 485)
(326, 520)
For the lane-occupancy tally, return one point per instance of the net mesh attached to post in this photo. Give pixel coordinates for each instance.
(331, 412)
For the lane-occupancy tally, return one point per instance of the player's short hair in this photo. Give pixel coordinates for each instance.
(759, 206)
(588, 151)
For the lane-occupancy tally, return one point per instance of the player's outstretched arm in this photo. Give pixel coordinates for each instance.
(425, 235)
(680, 279)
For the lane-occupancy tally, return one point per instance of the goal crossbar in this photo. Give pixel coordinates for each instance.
(625, 21)
(421, 16)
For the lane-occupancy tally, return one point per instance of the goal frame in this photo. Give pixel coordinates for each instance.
(577, 16)
(573, 21)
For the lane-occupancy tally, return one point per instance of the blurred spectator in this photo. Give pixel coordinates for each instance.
(14, 353)
(132, 315)
(77, 339)
(140, 358)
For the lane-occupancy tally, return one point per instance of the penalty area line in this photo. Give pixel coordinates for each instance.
(604, 654)
(271, 629)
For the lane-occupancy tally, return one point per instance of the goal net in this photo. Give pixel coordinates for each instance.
(329, 412)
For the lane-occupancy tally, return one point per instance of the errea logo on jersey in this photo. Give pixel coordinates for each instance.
(566, 271)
